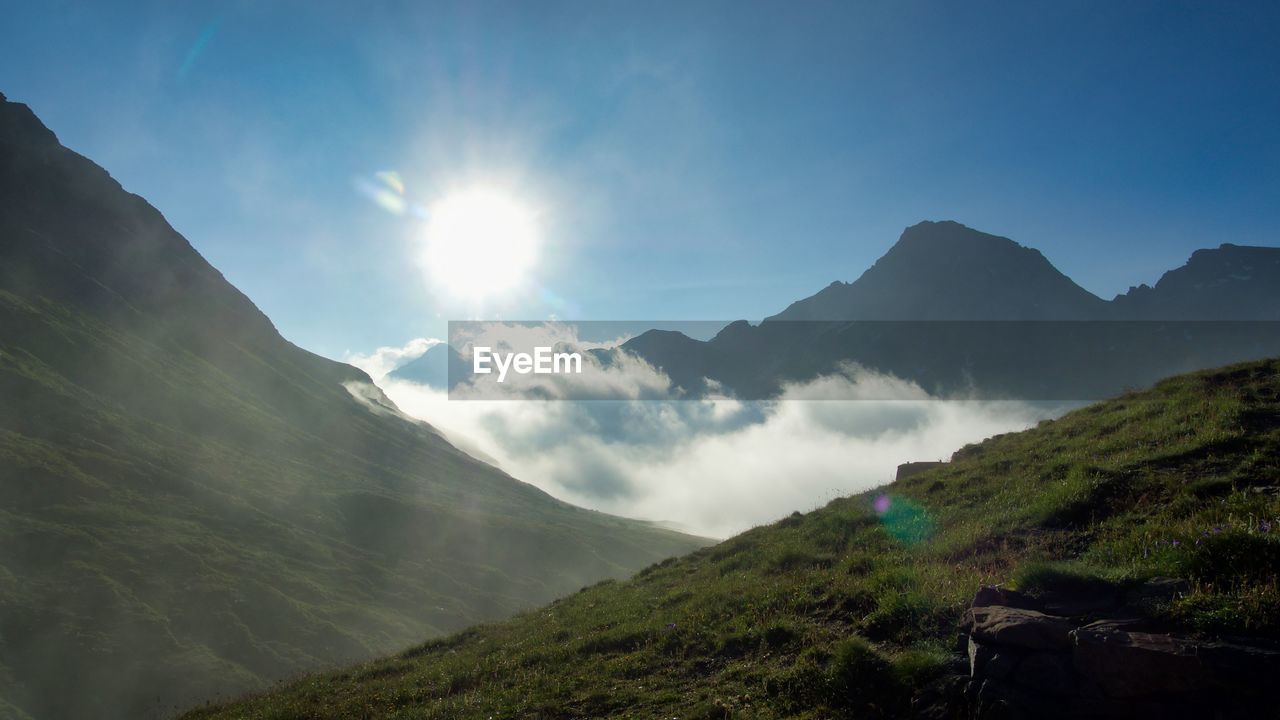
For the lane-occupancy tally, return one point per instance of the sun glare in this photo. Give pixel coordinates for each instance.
(479, 242)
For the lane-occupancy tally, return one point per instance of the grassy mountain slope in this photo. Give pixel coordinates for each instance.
(190, 505)
(844, 610)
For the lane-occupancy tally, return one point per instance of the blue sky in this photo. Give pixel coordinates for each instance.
(685, 160)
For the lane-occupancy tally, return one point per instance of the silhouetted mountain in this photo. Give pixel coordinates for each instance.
(946, 271)
(686, 361)
(962, 312)
(433, 368)
(191, 505)
(1230, 283)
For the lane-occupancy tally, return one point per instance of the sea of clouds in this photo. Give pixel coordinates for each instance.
(713, 466)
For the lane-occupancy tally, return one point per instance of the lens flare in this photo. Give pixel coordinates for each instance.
(386, 189)
(904, 520)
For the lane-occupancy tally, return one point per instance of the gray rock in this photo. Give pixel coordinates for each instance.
(995, 701)
(941, 699)
(1078, 605)
(909, 469)
(989, 595)
(957, 664)
(998, 700)
(1242, 667)
(1049, 673)
(979, 656)
(989, 661)
(1018, 627)
(1126, 664)
(1002, 665)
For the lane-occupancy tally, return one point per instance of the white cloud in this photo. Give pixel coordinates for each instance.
(718, 466)
(385, 359)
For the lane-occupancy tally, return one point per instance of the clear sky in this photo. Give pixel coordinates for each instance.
(675, 160)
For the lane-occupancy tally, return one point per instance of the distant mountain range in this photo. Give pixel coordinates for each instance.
(946, 271)
(1232, 282)
(965, 313)
(191, 506)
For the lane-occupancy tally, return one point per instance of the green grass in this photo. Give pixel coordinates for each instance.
(843, 612)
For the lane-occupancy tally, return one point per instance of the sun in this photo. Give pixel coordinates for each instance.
(480, 242)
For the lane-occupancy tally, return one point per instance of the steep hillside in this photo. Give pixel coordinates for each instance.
(852, 609)
(190, 505)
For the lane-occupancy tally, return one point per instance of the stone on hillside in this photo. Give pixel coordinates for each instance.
(989, 595)
(1048, 673)
(989, 661)
(998, 700)
(1079, 604)
(941, 699)
(1250, 668)
(1126, 664)
(1018, 627)
(910, 469)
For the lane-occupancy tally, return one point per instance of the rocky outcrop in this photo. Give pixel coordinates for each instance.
(1018, 627)
(1099, 657)
(906, 470)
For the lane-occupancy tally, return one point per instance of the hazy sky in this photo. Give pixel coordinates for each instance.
(682, 160)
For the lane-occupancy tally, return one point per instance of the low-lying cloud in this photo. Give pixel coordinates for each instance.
(717, 466)
(387, 358)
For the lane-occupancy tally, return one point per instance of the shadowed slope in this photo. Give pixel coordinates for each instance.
(191, 505)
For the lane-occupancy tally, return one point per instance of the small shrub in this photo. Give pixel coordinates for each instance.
(803, 685)
(737, 644)
(904, 617)
(918, 666)
(780, 635)
(795, 559)
(859, 676)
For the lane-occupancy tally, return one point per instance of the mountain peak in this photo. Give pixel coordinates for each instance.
(19, 123)
(944, 270)
(950, 237)
(737, 328)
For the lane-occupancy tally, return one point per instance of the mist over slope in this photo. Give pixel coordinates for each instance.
(853, 610)
(190, 505)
